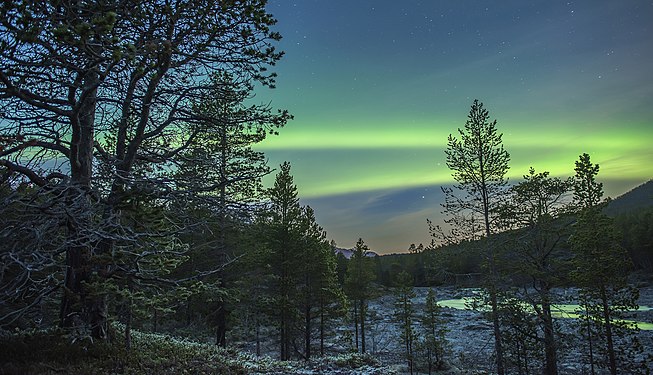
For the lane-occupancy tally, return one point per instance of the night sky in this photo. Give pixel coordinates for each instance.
(376, 87)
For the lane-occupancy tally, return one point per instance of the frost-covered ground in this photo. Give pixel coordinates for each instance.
(470, 338)
(470, 334)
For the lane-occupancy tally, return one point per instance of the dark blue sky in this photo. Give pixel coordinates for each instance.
(376, 87)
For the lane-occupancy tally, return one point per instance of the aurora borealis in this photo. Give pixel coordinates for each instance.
(376, 87)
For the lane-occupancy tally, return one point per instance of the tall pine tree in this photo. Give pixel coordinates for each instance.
(284, 225)
(404, 315)
(220, 176)
(601, 269)
(359, 289)
(479, 164)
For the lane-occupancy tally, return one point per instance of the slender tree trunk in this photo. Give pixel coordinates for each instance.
(612, 362)
(356, 323)
(221, 318)
(590, 339)
(288, 339)
(321, 328)
(550, 352)
(496, 328)
(362, 318)
(307, 333)
(409, 343)
(410, 356)
(221, 330)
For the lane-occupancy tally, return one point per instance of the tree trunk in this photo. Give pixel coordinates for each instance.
(362, 318)
(497, 330)
(590, 339)
(551, 359)
(72, 293)
(321, 328)
(77, 307)
(189, 312)
(307, 333)
(221, 318)
(612, 362)
(221, 331)
(356, 323)
(498, 345)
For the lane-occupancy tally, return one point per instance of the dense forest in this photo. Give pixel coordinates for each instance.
(137, 236)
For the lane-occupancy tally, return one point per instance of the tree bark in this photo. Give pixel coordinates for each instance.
(356, 323)
(321, 327)
(76, 306)
(307, 333)
(221, 331)
(550, 353)
(590, 340)
(362, 318)
(612, 362)
(496, 329)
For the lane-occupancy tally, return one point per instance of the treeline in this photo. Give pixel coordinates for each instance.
(460, 264)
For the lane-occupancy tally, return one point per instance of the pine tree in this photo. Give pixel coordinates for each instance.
(479, 164)
(283, 238)
(404, 316)
(359, 289)
(601, 269)
(433, 330)
(318, 289)
(536, 212)
(221, 175)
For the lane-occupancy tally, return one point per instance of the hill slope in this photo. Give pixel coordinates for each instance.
(638, 198)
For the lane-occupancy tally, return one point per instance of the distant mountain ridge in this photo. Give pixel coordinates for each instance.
(347, 253)
(637, 198)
